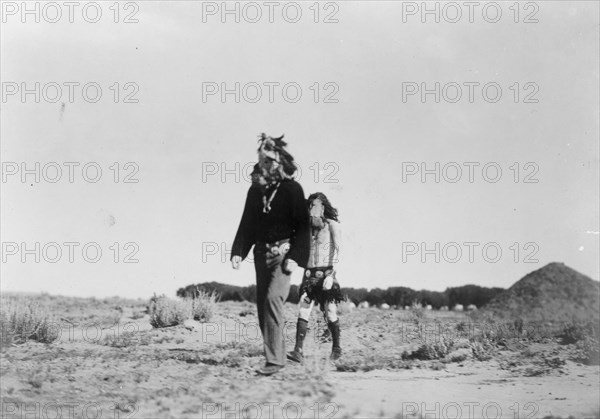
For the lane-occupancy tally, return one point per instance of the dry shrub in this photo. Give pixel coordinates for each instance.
(124, 340)
(485, 343)
(482, 350)
(417, 313)
(462, 327)
(165, 312)
(432, 350)
(458, 357)
(23, 319)
(204, 305)
(588, 351)
(574, 332)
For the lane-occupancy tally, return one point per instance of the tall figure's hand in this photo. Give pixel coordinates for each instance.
(235, 262)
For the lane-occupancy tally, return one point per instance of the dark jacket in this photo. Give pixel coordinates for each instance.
(288, 218)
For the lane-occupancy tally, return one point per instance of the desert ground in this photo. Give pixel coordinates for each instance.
(105, 359)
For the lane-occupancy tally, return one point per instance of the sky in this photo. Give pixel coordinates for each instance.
(172, 151)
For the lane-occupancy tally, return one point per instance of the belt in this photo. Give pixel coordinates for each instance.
(318, 272)
(280, 247)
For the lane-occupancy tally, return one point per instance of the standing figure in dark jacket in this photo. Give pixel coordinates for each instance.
(277, 223)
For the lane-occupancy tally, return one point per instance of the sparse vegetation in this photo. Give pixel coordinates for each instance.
(203, 305)
(165, 312)
(167, 370)
(417, 312)
(124, 340)
(23, 319)
(458, 356)
(482, 350)
(588, 351)
(574, 332)
(438, 349)
(371, 360)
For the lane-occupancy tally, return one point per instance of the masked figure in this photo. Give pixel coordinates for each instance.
(276, 222)
(319, 283)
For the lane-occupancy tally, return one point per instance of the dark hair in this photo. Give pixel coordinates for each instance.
(329, 212)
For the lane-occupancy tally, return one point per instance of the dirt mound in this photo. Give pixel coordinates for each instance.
(552, 293)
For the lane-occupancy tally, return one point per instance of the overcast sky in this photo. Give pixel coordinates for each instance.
(360, 143)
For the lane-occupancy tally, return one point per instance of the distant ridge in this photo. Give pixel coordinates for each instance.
(554, 292)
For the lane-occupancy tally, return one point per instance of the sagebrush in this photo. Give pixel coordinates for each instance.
(204, 305)
(23, 319)
(166, 312)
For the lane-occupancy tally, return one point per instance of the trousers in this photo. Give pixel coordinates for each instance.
(272, 290)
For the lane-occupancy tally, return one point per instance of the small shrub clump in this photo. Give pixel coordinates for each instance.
(432, 350)
(575, 332)
(204, 305)
(23, 319)
(417, 313)
(165, 312)
(482, 349)
(124, 340)
(588, 351)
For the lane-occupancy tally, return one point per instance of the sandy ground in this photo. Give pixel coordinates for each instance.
(207, 371)
(473, 390)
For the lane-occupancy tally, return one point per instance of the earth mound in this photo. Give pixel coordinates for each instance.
(552, 293)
